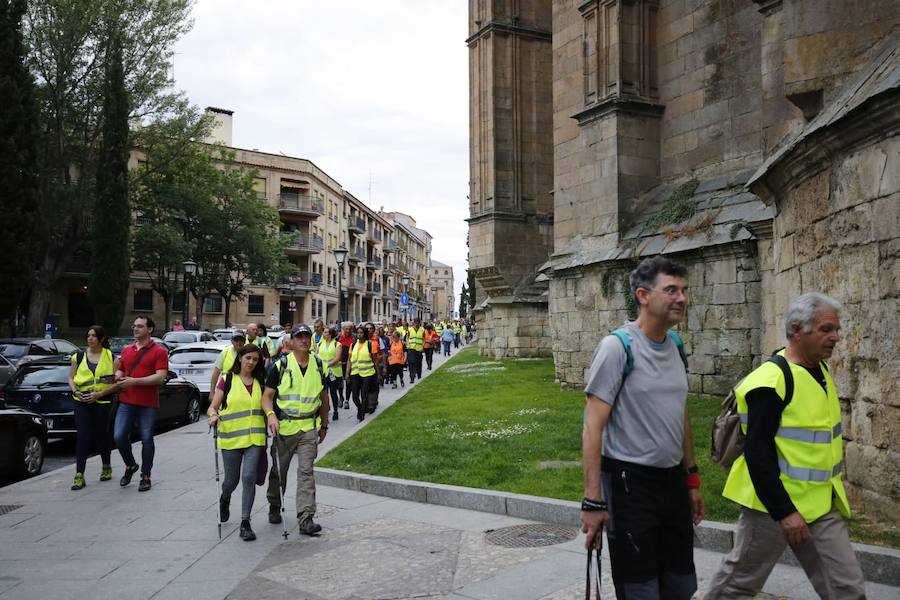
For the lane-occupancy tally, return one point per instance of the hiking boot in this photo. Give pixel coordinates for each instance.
(393, 386)
(274, 514)
(79, 483)
(309, 527)
(402, 384)
(247, 532)
(346, 404)
(145, 483)
(224, 510)
(106, 473)
(129, 473)
(334, 417)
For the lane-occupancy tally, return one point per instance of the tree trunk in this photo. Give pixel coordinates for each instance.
(227, 301)
(48, 273)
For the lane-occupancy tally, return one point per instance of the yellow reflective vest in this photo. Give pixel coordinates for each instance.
(228, 357)
(402, 331)
(298, 398)
(242, 423)
(808, 443)
(90, 381)
(260, 341)
(361, 360)
(328, 351)
(416, 338)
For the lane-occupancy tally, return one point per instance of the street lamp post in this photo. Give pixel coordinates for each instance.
(433, 303)
(340, 255)
(292, 303)
(189, 268)
(450, 304)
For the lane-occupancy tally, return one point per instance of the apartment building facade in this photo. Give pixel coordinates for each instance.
(440, 277)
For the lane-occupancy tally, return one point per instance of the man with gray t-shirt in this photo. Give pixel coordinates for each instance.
(638, 422)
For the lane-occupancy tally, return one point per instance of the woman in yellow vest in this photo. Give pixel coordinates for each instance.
(91, 380)
(236, 407)
(362, 372)
(329, 350)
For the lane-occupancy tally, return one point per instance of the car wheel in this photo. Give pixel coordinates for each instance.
(31, 456)
(192, 413)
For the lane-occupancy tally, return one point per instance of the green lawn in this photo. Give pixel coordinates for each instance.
(490, 424)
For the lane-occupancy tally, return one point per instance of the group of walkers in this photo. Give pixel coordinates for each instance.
(256, 390)
(642, 484)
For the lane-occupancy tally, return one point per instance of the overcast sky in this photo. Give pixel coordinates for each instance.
(357, 86)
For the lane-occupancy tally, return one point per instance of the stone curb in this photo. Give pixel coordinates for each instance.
(879, 565)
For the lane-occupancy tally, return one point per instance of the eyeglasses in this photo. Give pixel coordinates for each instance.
(670, 290)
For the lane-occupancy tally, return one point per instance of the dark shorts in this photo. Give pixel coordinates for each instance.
(650, 531)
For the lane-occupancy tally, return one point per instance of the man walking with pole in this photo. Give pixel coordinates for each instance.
(296, 406)
(640, 479)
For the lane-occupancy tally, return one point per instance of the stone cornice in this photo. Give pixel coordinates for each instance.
(879, 118)
(509, 28)
(628, 105)
(767, 7)
(497, 215)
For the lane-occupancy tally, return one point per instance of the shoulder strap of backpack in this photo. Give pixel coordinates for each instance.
(629, 357)
(788, 376)
(281, 367)
(679, 343)
(226, 390)
(79, 356)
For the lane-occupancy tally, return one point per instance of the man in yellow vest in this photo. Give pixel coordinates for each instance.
(788, 480)
(261, 341)
(226, 359)
(414, 344)
(296, 406)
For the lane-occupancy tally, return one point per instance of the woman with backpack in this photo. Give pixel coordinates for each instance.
(237, 409)
(361, 367)
(91, 380)
(329, 350)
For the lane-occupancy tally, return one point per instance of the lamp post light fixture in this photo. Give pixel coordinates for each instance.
(340, 255)
(190, 267)
(433, 303)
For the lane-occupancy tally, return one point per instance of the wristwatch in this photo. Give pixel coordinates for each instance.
(588, 505)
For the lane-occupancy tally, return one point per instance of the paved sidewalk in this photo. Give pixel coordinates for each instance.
(110, 542)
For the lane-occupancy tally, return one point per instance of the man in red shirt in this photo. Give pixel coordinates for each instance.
(140, 370)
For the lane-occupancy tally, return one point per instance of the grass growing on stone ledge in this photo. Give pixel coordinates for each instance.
(506, 425)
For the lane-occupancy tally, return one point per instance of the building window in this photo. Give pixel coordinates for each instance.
(321, 313)
(213, 304)
(143, 300)
(256, 305)
(178, 302)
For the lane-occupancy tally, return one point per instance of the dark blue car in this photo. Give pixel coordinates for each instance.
(42, 386)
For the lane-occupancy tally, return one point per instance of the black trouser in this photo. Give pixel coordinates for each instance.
(395, 371)
(92, 426)
(344, 389)
(650, 531)
(429, 353)
(360, 388)
(334, 387)
(414, 360)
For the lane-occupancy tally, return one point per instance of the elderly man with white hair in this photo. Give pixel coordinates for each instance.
(788, 480)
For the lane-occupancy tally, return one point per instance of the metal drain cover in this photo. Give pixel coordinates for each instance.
(530, 536)
(7, 508)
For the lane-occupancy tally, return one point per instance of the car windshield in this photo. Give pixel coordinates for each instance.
(13, 350)
(117, 344)
(42, 374)
(194, 356)
(180, 337)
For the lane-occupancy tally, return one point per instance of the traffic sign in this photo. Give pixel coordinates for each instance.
(404, 299)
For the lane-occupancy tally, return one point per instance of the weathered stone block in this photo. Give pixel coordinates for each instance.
(728, 293)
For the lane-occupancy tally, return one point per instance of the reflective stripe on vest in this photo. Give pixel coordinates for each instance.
(396, 356)
(242, 423)
(89, 381)
(416, 338)
(299, 396)
(328, 352)
(812, 436)
(807, 474)
(361, 361)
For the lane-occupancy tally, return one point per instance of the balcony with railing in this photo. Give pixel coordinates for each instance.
(357, 255)
(300, 281)
(356, 224)
(389, 245)
(391, 293)
(356, 282)
(375, 234)
(304, 207)
(305, 244)
(373, 288)
(374, 262)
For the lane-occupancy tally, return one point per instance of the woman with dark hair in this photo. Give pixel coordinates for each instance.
(92, 381)
(362, 371)
(329, 350)
(237, 408)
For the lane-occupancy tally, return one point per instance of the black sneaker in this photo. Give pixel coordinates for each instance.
(246, 532)
(224, 510)
(309, 527)
(145, 483)
(274, 515)
(129, 473)
(334, 417)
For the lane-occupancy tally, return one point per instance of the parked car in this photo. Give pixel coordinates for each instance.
(6, 370)
(42, 386)
(23, 441)
(195, 362)
(224, 335)
(117, 344)
(177, 338)
(21, 350)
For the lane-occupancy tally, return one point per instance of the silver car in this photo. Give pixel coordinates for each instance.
(195, 362)
(179, 338)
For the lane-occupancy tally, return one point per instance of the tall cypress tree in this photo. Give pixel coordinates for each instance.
(110, 254)
(19, 168)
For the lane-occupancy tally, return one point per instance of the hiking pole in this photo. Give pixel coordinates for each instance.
(281, 486)
(215, 430)
(597, 547)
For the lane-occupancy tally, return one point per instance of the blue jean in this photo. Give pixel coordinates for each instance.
(125, 419)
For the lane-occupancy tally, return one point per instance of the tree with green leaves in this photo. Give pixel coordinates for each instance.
(470, 285)
(463, 302)
(66, 41)
(110, 262)
(19, 163)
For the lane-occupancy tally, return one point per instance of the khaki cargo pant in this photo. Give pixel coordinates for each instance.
(306, 445)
